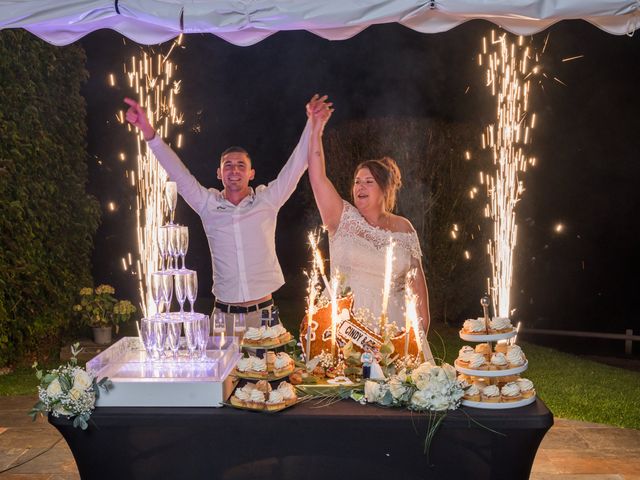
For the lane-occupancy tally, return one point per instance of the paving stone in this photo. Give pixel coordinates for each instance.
(543, 465)
(623, 439)
(9, 456)
(567, 438)
(41, 437)
(563, 476)
(57, 460)
(26, 476)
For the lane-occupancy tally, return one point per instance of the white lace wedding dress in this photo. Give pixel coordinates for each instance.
(358, 253)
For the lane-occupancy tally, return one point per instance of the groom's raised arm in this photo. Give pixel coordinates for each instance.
(189, 188)
(279, 190)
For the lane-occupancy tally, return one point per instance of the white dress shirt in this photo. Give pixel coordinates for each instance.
(241, 237)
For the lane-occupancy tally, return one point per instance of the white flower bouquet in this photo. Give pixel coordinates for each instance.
(68, 390)
(426, 388)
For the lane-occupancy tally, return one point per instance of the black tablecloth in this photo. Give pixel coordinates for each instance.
(344, 440)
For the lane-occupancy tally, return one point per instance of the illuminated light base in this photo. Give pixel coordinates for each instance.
(140, 382)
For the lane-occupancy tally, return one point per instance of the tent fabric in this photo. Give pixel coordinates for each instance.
(246, 22)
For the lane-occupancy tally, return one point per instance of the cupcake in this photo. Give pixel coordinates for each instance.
(283, 365)
(472, 392)
(515, 356)
(464, 355)
(526, 388)
(490, 394)
(256, 399)
(477, 362)
(263, 386)
(502, 347)
(500, 325)
(474, 326)
(499, 361)
(510, 392)
(484, 349)
(241, 396)
(463, 380)
(288, 393)
(276, 401)
(253, 336)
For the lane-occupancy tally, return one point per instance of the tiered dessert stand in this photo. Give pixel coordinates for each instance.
(493, 376)
(161, 367)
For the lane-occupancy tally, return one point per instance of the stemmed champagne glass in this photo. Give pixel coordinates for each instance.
(163, 247)
(181, 289)
(191, 334)
(174, 241)
(203, 338)
(173, 337)
(219, 325)
(239, 327)
(156, 289)
(171, 196)
(167, 290)
(148, 336)
(183, 243)
(192, 287)
(160, 334)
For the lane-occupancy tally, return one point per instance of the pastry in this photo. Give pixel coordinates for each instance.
(288, 393)
(256, 399)
(510, 392)
(266, 336)
(526, 388)
(515, 356)
(472, 392)
(464, 355)
(478, 362)
(263, 386)
(500, 325)
(485, 349)
(252, 367)
(499, 361)
(283, 365)
(502, 347)
(490, 394)
(474, 326)
(276, 401)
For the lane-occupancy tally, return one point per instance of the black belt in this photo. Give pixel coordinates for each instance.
(226, 308)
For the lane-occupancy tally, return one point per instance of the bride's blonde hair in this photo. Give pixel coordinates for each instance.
(386, 173)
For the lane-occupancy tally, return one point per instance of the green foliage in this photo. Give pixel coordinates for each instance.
(434, 197)
(46, 217)
(99, 307)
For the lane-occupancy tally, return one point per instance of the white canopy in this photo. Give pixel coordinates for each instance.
(245, 22)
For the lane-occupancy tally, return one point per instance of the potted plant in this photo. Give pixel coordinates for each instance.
(99, 309)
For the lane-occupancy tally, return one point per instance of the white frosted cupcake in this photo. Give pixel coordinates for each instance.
(500, 325)
(474, 326)
(515, 356)
(510, 392)
(283, 365)
(464, 354)
(499, 361)
(477, 361)
(288, 393)
(526, 388)
(472, 392)
(276, 400)
(490, 394)
(256, 399)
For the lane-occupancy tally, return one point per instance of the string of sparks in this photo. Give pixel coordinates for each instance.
(151, 75)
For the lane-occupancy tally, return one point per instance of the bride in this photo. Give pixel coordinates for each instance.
(359, 233)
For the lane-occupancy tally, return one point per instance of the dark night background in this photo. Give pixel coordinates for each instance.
(586, 142)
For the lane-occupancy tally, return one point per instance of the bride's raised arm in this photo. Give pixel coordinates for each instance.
(327, 198)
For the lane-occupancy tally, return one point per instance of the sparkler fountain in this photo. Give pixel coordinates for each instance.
(508, 70)
(152, 78)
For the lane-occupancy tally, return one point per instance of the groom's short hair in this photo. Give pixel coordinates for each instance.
(234, 149)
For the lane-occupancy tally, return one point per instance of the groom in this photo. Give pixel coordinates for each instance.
(240, 222)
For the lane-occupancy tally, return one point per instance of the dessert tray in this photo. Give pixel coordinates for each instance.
(499, 405)
(492, 373)
(269, 378)
(264, 410)
(487, 338)
(268, 347)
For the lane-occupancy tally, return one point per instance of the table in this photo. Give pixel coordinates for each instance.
(344, 440)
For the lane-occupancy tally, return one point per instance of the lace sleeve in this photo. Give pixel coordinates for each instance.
(414, 246)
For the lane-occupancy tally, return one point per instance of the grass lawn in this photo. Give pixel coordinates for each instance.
(572, 387)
